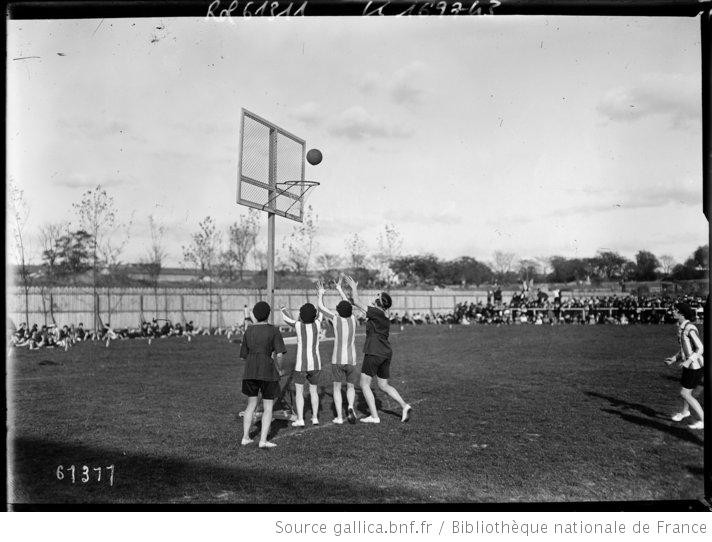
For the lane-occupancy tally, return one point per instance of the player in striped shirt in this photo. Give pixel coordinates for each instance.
(343, 360)
(308, 364)
(377, 352)
(690, 357)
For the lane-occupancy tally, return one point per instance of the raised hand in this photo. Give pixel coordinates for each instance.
(351, 282)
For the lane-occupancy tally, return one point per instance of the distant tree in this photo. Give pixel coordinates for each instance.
(327, 262)
(152, 262)
(96, 213)
(609, 265)
(19, 212)
(241, 240)
(544, 264)
(259, 257)
(49, 236)
(528, 269)
(301, 243)
(700, 258)
(202, 251)
(646, 264)
(355, 251)
(502, 263)
(686, 272)
(203, 254)
(666, 263)
(329, 265)
(418, 269)
(569, 270)
(110, 251)
(390, 243)
(73, 254)
(466, 270)
(695, 267)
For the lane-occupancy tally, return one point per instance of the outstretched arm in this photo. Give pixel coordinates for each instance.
(320, 299)
(340, 289)
(357, 302)
(287, 317)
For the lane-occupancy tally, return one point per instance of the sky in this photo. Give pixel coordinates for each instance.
(538, 136)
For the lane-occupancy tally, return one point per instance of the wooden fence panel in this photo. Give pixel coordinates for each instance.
(123, 306)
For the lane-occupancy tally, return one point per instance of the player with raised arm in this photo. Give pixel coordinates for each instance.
(308, 364)
(377, 352)
(691, 360)
(343, 360)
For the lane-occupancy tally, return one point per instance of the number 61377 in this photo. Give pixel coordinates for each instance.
(83, 474)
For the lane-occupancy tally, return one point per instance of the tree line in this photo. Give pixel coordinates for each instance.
(95, 240)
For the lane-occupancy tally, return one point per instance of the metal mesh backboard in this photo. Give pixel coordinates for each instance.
(269, 156)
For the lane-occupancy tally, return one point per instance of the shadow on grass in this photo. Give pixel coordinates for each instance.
(679, 432)
(627, 405)
(651, 420)
(147, 478)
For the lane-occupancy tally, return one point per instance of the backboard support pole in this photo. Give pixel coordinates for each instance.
(270, 264)
(272, 180)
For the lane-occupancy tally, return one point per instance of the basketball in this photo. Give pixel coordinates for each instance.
(314, 156)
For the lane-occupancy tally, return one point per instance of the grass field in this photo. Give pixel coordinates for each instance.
(501, 414)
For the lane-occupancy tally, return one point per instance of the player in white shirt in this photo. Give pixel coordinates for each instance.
(308, 364)
(343, 359)
(690, 357)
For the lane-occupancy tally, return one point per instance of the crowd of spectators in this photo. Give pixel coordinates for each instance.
(54, 336)
(543, 309)
(539, 309)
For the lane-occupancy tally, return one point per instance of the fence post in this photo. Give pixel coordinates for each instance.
(44, 306)
(165, 303)
(51, 306)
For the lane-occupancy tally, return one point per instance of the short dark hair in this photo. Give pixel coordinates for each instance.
(687, 311)
(344, 308)
(261, 311)
(384, 301)
(307, 313)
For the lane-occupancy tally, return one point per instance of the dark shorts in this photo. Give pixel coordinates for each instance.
(270, 388)
(691, 378)
(375, 366)
(344, 373)
(301, 377)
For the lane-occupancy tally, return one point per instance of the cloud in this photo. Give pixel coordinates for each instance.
(403, 86)
(423, 216)
(85, 181)
(97, 129)
(645, 199)
(309, 112)
(674, 97)
(356, 123)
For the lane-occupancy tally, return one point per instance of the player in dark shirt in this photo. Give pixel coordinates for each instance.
(262, 340)
(377, 352)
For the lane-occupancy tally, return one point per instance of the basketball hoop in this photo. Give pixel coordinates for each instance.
(297, 190)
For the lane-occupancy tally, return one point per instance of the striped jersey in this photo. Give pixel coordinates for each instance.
(689, 339)
(308, 358)
(344, 340)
